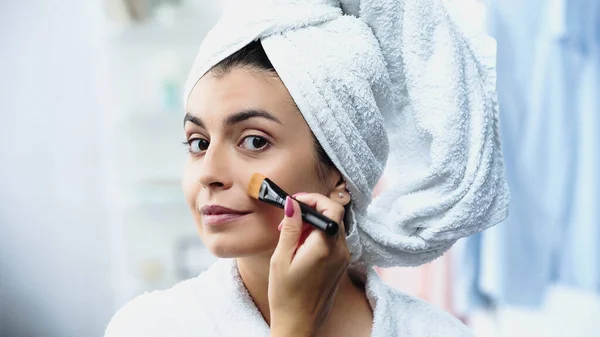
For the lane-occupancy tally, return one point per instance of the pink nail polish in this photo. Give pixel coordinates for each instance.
(299, 194)
(279, 227)
(289, 207)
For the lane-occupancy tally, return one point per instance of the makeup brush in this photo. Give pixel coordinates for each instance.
(265, 190)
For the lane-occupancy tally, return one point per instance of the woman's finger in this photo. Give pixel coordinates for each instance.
(291, 230)
(327, 207)
(317, 246)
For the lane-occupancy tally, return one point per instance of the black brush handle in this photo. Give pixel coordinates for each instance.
(318, 220)
(272, 194)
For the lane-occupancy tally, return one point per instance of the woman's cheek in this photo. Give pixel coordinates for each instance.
(190, 187)
(270, 216)
(284, 175)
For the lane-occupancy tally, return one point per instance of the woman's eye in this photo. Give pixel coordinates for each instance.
(198, 145)
(255, 143)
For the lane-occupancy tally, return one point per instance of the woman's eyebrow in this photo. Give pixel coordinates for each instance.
(195, 120)
(243, 115)
(236, 118)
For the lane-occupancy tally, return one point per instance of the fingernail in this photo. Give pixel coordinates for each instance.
(279, 227)
(298, 194)
(289, 207)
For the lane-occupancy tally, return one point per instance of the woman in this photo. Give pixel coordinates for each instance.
(315, 94)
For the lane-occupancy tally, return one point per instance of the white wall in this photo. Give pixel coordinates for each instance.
(54, 245)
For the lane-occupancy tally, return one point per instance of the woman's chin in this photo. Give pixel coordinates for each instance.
(234, 245)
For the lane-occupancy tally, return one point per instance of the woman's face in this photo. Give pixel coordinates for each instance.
(238, 124)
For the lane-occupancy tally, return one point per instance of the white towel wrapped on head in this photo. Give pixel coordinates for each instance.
(396, 82)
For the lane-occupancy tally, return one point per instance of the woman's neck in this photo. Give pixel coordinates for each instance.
(254, 272)
(350, 300)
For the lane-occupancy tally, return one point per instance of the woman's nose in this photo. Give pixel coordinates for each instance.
(214, 171)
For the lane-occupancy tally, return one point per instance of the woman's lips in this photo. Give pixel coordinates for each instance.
(217, 219)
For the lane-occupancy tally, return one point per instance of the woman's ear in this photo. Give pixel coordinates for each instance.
(339, 193)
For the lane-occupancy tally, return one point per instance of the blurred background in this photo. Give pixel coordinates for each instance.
(91, 211)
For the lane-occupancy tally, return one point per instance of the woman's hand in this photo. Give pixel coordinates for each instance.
(304, 277)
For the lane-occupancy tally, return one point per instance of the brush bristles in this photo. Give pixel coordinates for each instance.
(255, 184)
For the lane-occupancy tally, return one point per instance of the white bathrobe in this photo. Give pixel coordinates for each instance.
(216, 303)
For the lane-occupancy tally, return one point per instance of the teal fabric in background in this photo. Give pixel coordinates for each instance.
(548, 86)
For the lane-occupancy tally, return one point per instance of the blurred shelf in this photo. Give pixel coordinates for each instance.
(152, 193)
(177, 27)
(161, 121)
(149, 151)
(149, 65)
